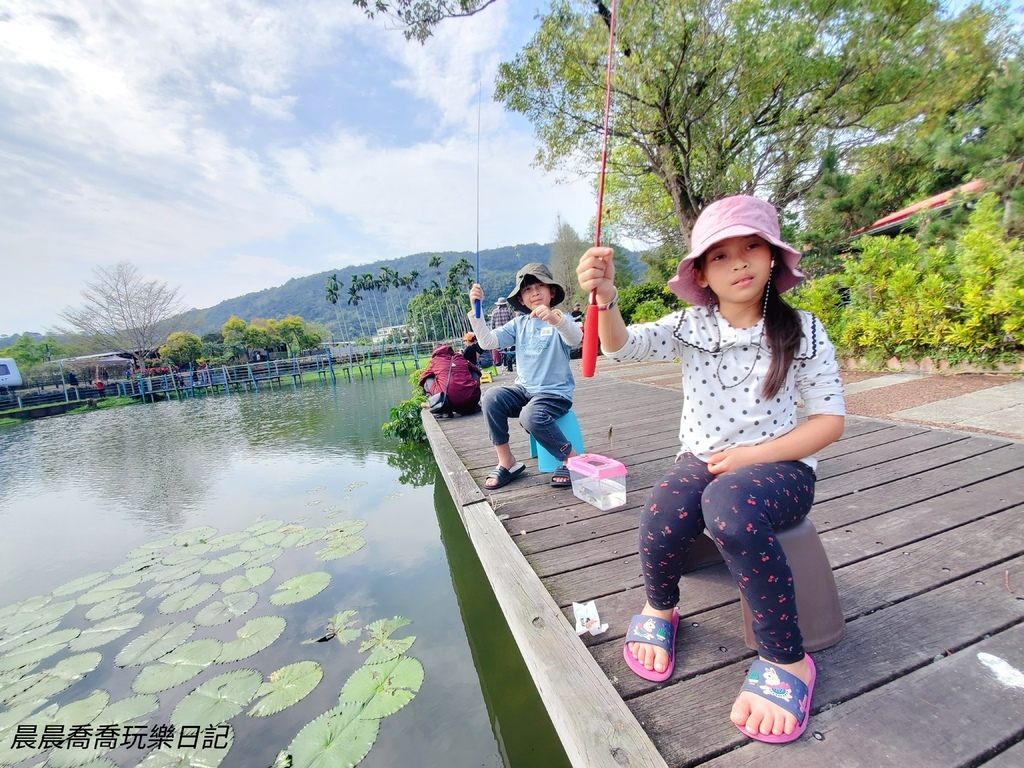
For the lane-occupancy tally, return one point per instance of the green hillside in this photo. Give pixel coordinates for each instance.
(305, 296)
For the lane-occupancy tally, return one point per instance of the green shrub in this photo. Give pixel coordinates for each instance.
(406, 422)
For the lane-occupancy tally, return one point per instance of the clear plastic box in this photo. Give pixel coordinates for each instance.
(598, 480)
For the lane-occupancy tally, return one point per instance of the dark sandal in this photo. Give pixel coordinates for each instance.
(561, 477)
(504, 476)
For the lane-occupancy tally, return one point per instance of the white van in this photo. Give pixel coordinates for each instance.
(9, 375)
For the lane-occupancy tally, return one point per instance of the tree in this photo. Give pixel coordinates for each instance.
(182, 348)
(713, 97)
(126, 311)
(565, 255)
(333, 295)
(234, 336)
(418, 18)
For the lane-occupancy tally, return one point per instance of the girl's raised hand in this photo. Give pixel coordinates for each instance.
(596, 271)
(476, 293)
(547, 314)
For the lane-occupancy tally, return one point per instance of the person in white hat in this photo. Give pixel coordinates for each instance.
(745, 466)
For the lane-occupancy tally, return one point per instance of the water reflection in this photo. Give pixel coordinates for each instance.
(78, 492)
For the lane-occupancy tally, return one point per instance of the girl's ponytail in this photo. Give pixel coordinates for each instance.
(783, 331)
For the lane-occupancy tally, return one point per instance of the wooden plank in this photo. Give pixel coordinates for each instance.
(596, 728)
(877, 649)
(1010, 758)
(958, 708)
(462, 487)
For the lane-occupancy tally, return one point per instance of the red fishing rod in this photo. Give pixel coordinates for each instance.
(590, 335)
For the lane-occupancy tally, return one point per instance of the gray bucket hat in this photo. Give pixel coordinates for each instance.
(543, 275)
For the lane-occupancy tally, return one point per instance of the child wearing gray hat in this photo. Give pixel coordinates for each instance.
(544, 385)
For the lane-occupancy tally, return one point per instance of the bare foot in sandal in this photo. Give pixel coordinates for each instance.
(501, 476)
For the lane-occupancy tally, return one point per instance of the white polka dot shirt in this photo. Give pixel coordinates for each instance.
(723, 371)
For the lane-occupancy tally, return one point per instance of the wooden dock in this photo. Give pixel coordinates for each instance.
(925, 531)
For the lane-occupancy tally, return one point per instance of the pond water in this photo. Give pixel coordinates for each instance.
(175, 565)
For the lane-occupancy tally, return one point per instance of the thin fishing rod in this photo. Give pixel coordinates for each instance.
(590, 334)
(476, 302)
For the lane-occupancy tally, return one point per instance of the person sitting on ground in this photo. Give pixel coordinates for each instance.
(472, 350)
(543, 389)
(745, 466)
(463, 390)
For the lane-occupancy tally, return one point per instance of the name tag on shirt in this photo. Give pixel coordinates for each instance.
(547, 331)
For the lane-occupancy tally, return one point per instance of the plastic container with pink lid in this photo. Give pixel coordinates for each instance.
(598, 480)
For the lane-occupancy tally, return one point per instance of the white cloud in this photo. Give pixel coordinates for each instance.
(197, 141)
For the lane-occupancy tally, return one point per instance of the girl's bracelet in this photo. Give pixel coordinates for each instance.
(614, 302)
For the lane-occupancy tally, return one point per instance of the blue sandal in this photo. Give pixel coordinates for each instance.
(653, 631)
(784, 690)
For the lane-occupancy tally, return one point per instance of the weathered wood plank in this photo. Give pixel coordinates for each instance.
(463, 489)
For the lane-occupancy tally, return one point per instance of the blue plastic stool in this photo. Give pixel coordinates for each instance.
(571, 429)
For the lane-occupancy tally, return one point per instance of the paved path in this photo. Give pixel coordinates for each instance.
(988, 403)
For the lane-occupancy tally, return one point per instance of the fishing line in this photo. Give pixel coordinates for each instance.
(476, 302)
(590, 336)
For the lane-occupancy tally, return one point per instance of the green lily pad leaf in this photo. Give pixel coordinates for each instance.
(312, 536)
(346, 527)
(115, 605)
(338, 737)
(29, 605)
(218, 700)
(128, 711)
(11, 642)
(226, 563)
(227, 541)
(109, 589)
(105, 632)
(255, 544)
(253, 636)
(211, 757)
(138, 565)
(271, 538)
(46, 614)
(31, 653)
(223, 611)
(81, 584)
(171, 573)
(165, 588)
(78, 758)
(145, 550)
(195, 536)
(300, 588)
(182, 557)
(181, 664)
(188, 598)
(286, 686)
(43, 686)
(385, 647)
(154, 644)
(264, 556)
(344, 626)
(383, 689)
(264, 526)
(252, 577)
(340, 546)
(291, 539)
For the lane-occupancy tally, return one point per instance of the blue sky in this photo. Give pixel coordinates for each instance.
(228, 146)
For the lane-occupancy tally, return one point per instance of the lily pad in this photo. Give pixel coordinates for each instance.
(253, 636)
(223, 611)
(188, 598)
(109, 589)
(196, 535)
(286, 686)
(33, 620)
(312, 536)
(81, 584)
(383, 689)
(11, 642)
(43, 686)
(227, 541)
(146, 550)
(338, 737)
(226, 563)
(31, 653)
(181, 664)
(344, 626)
(154, 644)
(127, 711)
(181, 557)
(169, 757)
(105, 632)
(252, 577)
(346, 527)
(264, 526)
(340, 546)
(300, 588)
(114, 605)
(166, 588)
(218, 700)
(264, 556)
(383, 646)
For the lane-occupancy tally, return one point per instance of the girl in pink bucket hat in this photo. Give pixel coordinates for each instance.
(745, 466)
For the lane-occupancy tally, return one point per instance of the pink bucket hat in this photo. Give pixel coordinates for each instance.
(734, 217)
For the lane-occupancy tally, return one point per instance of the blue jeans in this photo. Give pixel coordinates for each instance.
(537, 414)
